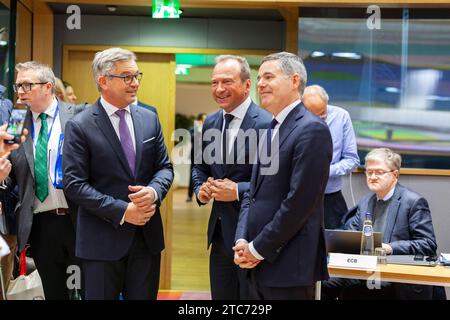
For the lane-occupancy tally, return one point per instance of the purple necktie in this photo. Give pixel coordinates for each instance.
(126, 141)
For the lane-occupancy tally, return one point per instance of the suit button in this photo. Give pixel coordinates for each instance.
(253, 200)
(220, 218)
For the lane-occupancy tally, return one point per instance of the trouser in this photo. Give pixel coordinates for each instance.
(136, 275)
(52, 241)
(228, 281)
(257, 291)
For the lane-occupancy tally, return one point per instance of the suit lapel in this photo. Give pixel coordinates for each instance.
(138, 135)
(65, 113)
(288, 125)
(392, 214)
(104, 123)
(247, 123)
(28, 144)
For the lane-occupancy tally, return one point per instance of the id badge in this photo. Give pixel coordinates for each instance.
(58, 181)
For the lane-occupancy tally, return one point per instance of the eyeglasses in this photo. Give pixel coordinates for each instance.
(128, 79)
(25, 86)
(377, 173)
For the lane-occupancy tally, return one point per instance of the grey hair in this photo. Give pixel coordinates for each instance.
(43, 71)
(390, 158)
(290, 63)
(245, 67)
(105, 61)
(316, 89)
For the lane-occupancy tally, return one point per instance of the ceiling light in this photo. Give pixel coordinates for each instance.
(348, 55)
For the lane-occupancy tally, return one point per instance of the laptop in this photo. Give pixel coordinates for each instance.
(347, 241)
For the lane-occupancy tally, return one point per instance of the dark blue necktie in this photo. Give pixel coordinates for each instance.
(228, 119)
(269, 136)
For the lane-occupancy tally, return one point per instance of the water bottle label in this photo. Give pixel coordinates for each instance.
(367, 231)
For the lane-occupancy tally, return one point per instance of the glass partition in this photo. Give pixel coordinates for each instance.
(394, 81)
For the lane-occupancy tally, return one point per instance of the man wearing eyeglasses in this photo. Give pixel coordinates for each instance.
(401, 215)
(117, 169)
(345, 153)
(45, 219)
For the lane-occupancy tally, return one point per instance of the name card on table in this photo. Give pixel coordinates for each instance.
(353, 261)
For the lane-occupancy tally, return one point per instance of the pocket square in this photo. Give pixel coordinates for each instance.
(148, 140)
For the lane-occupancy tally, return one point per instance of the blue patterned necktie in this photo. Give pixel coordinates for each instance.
(126, 141)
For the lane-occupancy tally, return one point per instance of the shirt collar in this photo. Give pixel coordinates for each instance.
(240, 111)
(109, 108)
(285, 112)
(389, 194)
(50, 111)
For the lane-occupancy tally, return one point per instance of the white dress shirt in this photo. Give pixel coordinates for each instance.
(233, 129)
(280, 119)
(114, 118)
(55, 198)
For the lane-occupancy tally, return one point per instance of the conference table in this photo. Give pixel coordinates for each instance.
(438, 275)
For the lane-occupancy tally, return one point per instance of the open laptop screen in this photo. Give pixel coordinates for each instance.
(347, 241)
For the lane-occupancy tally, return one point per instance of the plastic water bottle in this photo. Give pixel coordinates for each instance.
(367, 236)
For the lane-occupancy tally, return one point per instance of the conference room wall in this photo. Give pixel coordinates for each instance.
(183, 33)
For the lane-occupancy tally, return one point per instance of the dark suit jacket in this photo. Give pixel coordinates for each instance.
(256, 118)
(409, 229)
(23, 175)
(97, 176)
(148, 107)
(283, 213)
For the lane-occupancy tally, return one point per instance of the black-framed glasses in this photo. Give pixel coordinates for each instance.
(128, 79)
(25, 86)
(377, 173)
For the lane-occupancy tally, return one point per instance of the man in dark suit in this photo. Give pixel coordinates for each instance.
(226, 181)
(280, 235)
(404, 219)
(45, 219)
(117, 170)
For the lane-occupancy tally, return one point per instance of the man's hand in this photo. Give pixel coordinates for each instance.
(387, 247)
(134, 215)
(5, 168)
(205, 193)
(224, 190)
(5, 149)
(143, 198)
(243, 257)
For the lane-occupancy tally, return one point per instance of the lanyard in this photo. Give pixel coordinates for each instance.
(58, 181)
(51, 127)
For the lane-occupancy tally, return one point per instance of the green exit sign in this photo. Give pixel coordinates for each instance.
(164, 9)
